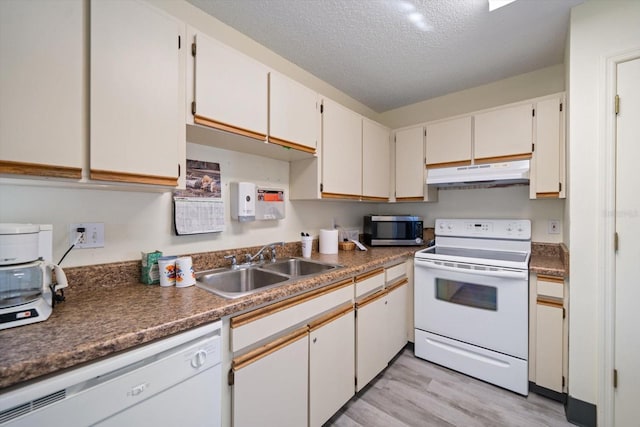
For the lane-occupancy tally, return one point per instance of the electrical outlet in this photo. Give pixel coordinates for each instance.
(553, 227)
(93, 236)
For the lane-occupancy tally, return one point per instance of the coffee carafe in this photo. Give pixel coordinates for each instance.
(26, 290)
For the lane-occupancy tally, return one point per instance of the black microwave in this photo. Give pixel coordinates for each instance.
(392, 230)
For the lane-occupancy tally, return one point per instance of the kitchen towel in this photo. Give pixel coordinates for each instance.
(328, 241)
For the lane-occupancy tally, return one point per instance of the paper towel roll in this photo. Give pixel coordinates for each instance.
(328, 241)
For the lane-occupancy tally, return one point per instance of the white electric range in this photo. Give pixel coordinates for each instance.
(472, 299)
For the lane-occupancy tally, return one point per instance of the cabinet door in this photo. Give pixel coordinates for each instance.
(270, 386)
(135, 95)
(42, 101)
(331, 364)
(293, 114)
(504, 134)
(549, 329)
(546, 163)
(341, 152)
(410, 164)
(371, 338)
(375, 161)
(230, 89)
(449, 143)
(397, 318)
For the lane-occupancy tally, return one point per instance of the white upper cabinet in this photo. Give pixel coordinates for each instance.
(136, 100)
(294, 115)
(547, 162)
(449, 142)
(503, 134)
(410, 167)
(341, 151)
(375, 161)
(230, 89)
(42, 88)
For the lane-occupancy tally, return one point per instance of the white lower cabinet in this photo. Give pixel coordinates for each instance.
(293, 361)
(331, 366)
(549, 346)
(397, 318)
(548, 332)
(270, 386)
(371, 332)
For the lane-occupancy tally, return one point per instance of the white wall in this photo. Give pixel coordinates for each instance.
(524, 86)
(142, 221)
(599, 30)
(507, 202)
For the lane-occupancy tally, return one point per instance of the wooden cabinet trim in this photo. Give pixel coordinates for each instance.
(397, 284)
(551, 302)
(25, 168)
(340, 196)
(449, 164)
(371, 298)
(369, 274)
(102, 175)
(550, 195)
(375, 199)
(289, 144)
(331, 316)
(523, 156)
(259, 313)
(554, 279)
(205, 121)
(265, 350)
(410, 199)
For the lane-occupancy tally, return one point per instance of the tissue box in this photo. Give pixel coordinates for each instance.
(149, 273)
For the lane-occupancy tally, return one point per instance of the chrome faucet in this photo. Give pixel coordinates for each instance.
(260, 254)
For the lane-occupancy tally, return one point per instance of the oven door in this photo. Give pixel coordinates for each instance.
(484, 306)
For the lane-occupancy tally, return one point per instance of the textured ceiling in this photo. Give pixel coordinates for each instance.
(375, 53)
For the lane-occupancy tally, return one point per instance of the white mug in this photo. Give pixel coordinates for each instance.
(167, 270)
(185, 275)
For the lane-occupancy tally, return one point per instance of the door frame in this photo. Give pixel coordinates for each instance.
(607, 282)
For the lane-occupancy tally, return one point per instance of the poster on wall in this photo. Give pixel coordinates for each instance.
(199, 207)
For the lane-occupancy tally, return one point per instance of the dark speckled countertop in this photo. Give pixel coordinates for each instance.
(101, 318)
(107, 310)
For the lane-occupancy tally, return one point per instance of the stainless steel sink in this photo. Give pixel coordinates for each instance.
(237, 283)
(246, 280)
(296, 267)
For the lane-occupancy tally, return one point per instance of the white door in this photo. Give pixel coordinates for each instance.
(627, 291)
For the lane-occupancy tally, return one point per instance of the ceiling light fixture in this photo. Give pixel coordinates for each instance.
(495, 4)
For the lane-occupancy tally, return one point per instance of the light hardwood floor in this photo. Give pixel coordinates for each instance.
(414, 392)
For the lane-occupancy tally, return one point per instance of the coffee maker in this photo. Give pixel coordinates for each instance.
(26, 289)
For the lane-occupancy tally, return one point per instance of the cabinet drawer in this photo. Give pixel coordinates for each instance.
(256, 325)
(369, 282)
(395, 272)
(551, 287)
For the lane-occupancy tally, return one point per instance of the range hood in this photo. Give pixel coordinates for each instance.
(490, 174)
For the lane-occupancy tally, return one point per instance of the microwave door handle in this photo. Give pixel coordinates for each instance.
(494, 273)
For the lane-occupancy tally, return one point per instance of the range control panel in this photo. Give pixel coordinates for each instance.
(517, 229)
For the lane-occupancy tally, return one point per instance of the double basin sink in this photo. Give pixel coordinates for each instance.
(248, 279)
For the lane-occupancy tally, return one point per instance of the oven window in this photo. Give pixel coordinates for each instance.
(394, 230)
(469, 294)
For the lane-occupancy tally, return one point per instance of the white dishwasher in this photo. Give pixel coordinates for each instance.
(175, 381)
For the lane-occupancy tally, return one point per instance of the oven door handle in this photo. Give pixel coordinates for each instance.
(507, 274)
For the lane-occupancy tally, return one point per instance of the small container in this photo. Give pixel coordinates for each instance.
(346, 246)
(307, 244)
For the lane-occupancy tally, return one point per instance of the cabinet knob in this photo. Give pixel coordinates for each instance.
(315, 339)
